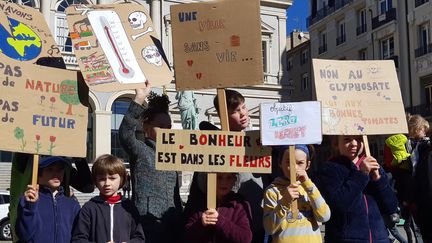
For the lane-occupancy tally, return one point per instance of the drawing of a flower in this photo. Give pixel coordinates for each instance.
(53, 100)
(19, 134)
(38, 144)
(52, 146)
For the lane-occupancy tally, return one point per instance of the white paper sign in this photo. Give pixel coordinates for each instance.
(291, 123)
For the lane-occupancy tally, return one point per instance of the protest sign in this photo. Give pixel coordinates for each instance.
(290, 123)
(24, 34)
(217, 46)
(359, 97)
(117, 46)
(41, 110)
(211, 151)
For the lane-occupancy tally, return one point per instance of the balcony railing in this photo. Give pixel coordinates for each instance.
(423, 50)
(420, 2)
(361, 29)
(326, 10)
(384, 18)
(341, 39)
(322, 49)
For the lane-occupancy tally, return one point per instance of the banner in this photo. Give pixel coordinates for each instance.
(216, 45)
(211, 151)
(359, 97)
(291, 123)
(41, 110)
(117, 46)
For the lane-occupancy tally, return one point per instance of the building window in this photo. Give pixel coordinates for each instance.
(387, 48)
(265, 53)
(361, 21)
(363, 54)
(341, 34)
(428, 89)
(322, 42)
(304, 57)
(29, 3)
(62, 35)
(305, 81)
(119, 108)
(290, 63)
(384, 6)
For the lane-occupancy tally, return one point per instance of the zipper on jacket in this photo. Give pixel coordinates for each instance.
(112, 222)
(55, 217)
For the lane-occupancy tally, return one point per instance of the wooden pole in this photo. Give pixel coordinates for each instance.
(35, 170)
(366, 145)
(293, 179)
(211, 177)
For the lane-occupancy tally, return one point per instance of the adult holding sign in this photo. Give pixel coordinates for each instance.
(155, 193)
(359, 98)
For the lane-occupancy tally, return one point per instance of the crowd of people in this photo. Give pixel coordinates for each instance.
(352, 194)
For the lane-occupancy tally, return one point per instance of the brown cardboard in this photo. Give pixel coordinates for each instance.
(217, 46)
(188, 150)
(40, 110)
(24, 34)
(117, 46)
(359, 97)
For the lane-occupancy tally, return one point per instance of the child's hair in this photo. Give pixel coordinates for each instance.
(233, 100)
(157, 104)
(416, 123)
(109, 164)
(309, 150)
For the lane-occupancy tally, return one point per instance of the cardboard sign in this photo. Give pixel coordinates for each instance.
(24, 34)
(359, 97)
(291, 123)
(117, 46)
(211, 151)
(216, 45)
(40, 110)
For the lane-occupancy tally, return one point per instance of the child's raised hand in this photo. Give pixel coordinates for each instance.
(302, 175)
(293, 192)
(142, 93)
(31, 194)
(209, 217)
(369, 164)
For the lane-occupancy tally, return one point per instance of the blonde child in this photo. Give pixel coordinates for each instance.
(278, 217)
(358, 193)
(108, 217)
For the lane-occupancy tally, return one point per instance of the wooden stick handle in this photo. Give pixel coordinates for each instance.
(35, 170)
(366, 145)
(293, 179)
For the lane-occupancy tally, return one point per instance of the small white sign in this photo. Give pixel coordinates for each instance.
(291, 123)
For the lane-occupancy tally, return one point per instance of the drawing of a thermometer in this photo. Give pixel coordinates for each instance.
(124, 69)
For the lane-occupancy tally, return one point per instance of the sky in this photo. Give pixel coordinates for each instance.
(297, 14)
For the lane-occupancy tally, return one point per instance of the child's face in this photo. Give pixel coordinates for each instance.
(418, 134)
(52, 176)
(160, 121)
(225, 183)
(238, 118)
(302, 163)
(350, 146)
(108, 185)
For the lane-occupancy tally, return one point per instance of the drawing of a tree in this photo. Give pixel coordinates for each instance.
(69, 94)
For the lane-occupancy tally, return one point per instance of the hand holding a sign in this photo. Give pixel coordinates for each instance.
(209, 217)
(370, 167)
(293, 192)
(142, 93)
(302, 175)
(32, 193)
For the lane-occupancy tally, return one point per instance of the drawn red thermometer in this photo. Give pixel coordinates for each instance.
(125, 70)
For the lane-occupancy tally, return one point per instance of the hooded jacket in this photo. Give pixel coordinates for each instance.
(278, 218)
(356, 202)
(101, 222)
(48, 220)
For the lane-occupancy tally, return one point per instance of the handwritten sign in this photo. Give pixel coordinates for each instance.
(290, 123)
(211, 151)
(24, 34)
(216, 45)
(40, 110)
(359, 97)
(117, 46)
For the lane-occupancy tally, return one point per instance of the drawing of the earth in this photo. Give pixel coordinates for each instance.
(19, 42)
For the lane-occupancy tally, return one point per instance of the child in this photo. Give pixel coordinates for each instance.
(229, 222)
(155, 193)
(357, 191)
(45, 214)
(108, 217)
(278, 218)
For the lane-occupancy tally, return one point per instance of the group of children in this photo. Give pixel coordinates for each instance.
(355, 193)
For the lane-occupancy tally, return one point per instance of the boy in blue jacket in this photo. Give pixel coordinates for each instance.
(45, 214)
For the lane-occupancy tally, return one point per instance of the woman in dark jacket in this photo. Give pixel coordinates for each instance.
(357, 191)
